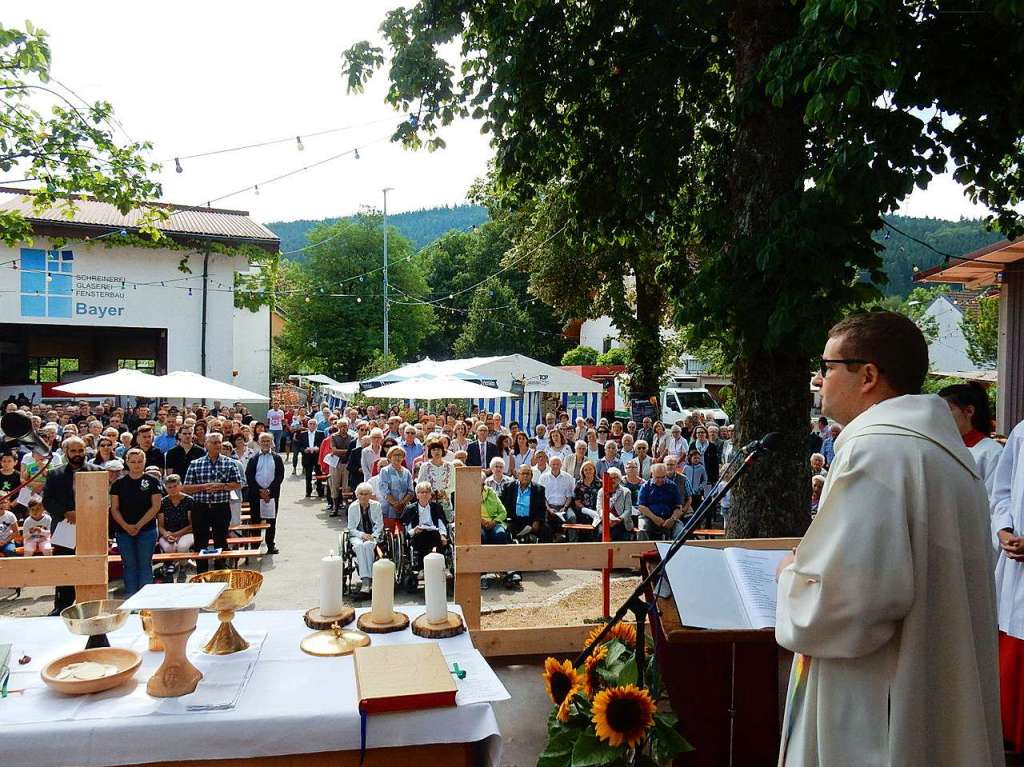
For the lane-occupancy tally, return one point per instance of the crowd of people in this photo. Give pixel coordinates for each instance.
(542, 481)
(177, 482)
(179, 476)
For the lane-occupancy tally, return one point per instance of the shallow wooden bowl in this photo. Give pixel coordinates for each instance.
(127, 662)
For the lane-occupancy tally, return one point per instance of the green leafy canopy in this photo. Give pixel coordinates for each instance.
(70, 151)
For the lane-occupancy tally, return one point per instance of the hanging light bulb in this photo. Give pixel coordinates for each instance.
(359, 299)
(177, 166)
(190, 291)
(308, 299)
(49, 277)
(256, 189)
(298, 143)
(357, 154)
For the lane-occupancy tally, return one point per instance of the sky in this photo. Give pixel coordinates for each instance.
(194, 77)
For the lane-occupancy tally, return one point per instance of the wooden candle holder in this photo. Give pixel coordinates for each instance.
(319, 622)
(452, 626)
(398, 622)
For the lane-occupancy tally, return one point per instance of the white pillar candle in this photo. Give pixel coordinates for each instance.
(382, 607)
(434, 586)
(331, 574)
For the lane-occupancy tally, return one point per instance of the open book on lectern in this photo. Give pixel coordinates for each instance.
(729, 588)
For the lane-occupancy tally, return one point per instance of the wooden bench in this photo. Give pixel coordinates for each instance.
(708, 533)
(182, 556)
(250, 526)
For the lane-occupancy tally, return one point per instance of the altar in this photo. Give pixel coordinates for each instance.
(292, 709)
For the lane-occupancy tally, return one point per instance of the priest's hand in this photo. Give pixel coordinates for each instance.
(1012, 544)
(784, 563)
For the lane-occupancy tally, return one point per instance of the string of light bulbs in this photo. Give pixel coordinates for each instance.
(297, 138)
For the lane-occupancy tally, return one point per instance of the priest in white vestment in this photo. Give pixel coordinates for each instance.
(889, 602)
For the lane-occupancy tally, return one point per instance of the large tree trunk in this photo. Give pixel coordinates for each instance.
(773, 498)
(645, 344)
(771, 386)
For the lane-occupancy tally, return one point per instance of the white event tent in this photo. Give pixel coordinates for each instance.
(443, 387)
(581, 397)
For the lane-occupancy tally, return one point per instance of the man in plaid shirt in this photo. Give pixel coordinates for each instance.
(210, 480)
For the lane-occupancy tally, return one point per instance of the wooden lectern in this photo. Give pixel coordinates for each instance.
(723, 685)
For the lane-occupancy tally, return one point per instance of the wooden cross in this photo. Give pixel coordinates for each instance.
(87, 569)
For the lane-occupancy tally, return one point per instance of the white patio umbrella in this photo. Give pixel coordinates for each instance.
(123, 383)
(181, 384)
(442, 387)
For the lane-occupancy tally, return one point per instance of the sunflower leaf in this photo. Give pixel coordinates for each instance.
(665, 740)
(559, 749)
(591, 751)
(615, 650)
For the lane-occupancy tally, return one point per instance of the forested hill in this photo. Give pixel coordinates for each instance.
(956, 238)
(421, 227)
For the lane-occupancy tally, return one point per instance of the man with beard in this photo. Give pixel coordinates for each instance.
(59, 501)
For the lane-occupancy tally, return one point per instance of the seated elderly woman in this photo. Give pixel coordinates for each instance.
(365, 528)
(425, 522)
(620, 508)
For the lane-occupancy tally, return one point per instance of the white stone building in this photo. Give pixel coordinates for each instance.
(77, 303)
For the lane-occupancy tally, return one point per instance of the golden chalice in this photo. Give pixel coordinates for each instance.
(94, 619)
(242, 586)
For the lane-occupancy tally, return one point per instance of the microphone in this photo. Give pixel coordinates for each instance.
(768, 443)
(17, 427)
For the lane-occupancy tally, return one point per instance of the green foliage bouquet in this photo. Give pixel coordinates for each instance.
(601, 716)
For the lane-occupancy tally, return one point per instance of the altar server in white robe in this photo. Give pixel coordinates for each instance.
(972, 414)
(889, 602)
(1008, 528)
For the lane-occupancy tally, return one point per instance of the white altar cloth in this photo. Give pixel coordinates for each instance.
(293, 703)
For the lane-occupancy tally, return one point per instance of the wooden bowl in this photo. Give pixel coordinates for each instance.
(126, 661)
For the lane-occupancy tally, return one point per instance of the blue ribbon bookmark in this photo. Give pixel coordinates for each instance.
(362, 736)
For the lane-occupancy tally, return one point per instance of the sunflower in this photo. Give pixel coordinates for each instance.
(624, 632)
(622, 715)
(591, 681)
(561, 680)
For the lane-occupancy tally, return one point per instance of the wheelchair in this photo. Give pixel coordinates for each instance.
(387, 548)
(409, 564)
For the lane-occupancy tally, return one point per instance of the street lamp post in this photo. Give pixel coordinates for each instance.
(386, 190)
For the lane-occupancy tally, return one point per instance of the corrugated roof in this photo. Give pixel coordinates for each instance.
(182, 220)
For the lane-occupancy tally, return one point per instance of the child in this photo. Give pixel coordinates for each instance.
(37, 528)
(696, 474)
(8, 529)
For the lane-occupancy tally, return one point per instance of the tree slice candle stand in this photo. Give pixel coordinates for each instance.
(318, 622)
(451, 626)
(398, 622)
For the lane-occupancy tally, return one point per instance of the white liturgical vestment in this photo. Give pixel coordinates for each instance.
(890, 603)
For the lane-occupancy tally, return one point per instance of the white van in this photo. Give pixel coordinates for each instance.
(678, 402)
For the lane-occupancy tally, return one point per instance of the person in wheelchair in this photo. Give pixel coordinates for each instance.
(365, 529)
(425, 523)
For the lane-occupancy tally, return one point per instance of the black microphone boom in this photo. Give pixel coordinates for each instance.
(17, 427)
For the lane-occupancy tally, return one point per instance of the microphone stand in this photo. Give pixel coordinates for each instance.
(636, 603)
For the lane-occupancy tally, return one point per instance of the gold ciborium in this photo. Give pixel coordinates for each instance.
(94, 619)
(242, 586)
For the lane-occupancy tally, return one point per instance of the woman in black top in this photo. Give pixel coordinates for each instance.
(175, 518)
(134, 504)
